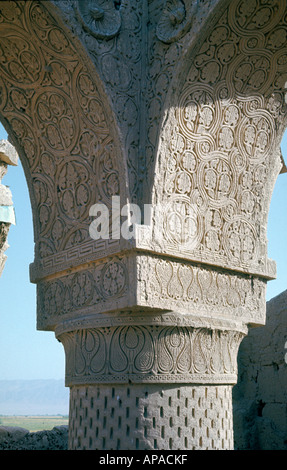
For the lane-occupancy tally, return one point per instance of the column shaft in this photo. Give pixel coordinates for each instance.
(151, 417)
(151, 387)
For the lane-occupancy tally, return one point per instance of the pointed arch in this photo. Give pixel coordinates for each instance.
(55, 109)
(219, 152)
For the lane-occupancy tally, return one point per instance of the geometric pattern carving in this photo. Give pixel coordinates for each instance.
(132, 101)
(219, 147)
(56, 116)
(151, 417)
(199, 290)
(150, 282)
(98, 288)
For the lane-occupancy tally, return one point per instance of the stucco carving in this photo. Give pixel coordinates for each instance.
(200, 291)
(101, 18)
(153, 354)
(150, 282)
(56, 112)
(175, 20)
(220, 144)
(96, 290)
(179, 104)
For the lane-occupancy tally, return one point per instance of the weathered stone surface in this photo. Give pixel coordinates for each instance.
(8, 153)
(260, 414)
(5, 196)
(8, 156)
(13, 438)
(166, 417)
(177, 104)
(12, 433)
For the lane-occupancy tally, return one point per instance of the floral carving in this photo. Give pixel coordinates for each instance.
(220, 135)
(151, 354)
(58, 118)
(73, 190)
(174, 21)
(100, 285)
(205, 291)
(113, 279)
(101, 18)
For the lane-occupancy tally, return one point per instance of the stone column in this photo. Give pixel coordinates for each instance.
(179, 104)
(8, 156)
(158, 374)
(151, 325)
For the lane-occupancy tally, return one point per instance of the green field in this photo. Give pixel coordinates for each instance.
(34, 423)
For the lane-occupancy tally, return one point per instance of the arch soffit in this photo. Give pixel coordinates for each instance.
(55, 110)
(219, 148)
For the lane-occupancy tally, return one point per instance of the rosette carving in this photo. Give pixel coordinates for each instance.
(101, 18)
(175, 21)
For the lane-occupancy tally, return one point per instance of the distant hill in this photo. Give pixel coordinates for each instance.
(33, 397)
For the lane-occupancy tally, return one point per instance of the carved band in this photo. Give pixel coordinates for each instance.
(147, 282)
(151, 354)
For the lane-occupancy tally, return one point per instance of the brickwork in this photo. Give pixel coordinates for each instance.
(146, 417)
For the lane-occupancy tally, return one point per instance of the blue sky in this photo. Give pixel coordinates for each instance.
(30, 354)
(25, 353)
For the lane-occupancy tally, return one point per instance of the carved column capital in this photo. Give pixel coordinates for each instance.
(155, 353)
(137, 280)
(179, 104)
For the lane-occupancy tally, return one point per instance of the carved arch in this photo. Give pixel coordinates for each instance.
(56, 112)
(219, 148)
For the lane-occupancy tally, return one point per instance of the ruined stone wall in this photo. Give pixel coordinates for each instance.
(260, 396)
(15, 438)
(8, 156)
